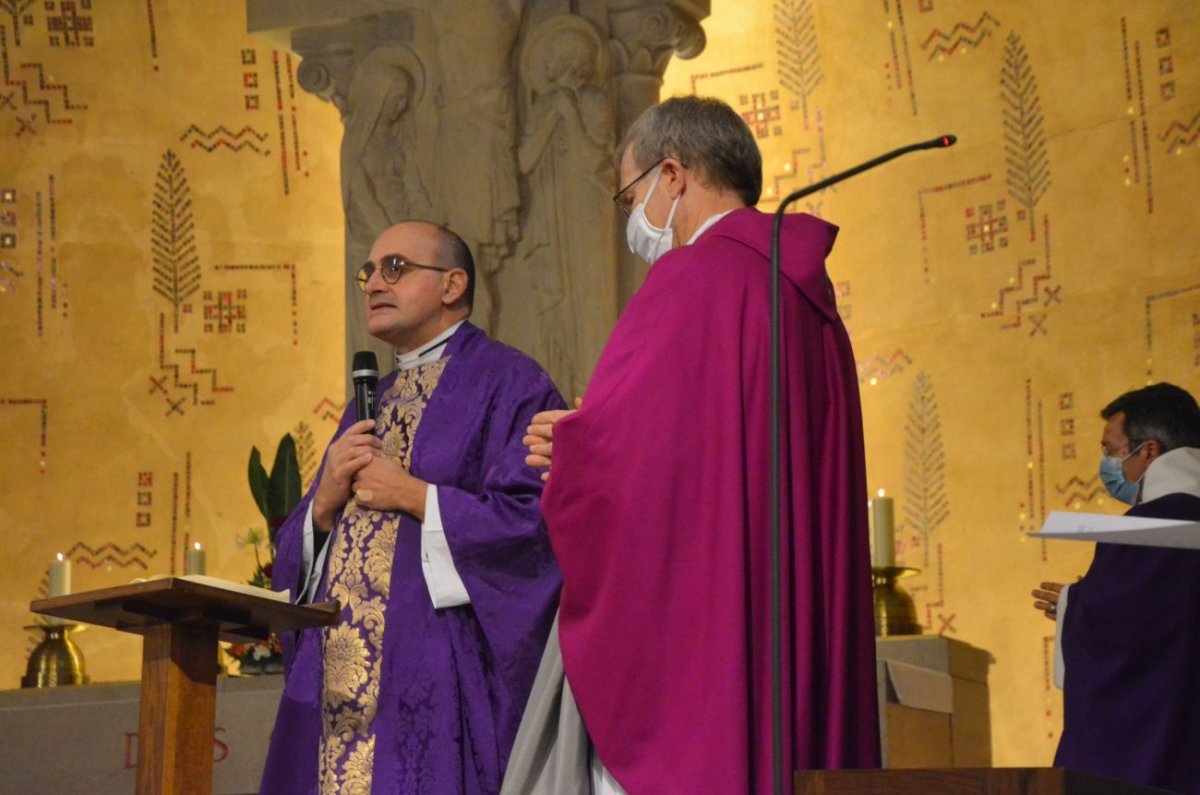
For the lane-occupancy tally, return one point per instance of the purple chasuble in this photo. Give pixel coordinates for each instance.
(658, 512)
(401, 697)
(1131, 645)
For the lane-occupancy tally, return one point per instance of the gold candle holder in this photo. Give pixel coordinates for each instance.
(56, 660)
(895, 613)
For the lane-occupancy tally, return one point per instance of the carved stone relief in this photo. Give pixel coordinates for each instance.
(568, 247)
(499, 119)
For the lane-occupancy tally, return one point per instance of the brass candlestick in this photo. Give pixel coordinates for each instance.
(895, 613)
(56, 660)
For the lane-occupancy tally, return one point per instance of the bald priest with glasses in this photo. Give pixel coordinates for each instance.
(424, 523)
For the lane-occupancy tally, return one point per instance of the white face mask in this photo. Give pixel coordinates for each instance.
(644, 238)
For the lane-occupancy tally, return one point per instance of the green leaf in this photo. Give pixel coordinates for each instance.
(258, 482)
(283, 492)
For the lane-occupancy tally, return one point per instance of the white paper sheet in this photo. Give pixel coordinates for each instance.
(1136, 530)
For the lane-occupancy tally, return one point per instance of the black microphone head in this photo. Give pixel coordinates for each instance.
(949, 140)
(364, 365)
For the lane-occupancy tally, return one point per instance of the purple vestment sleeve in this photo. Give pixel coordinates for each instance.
(493, 525)
(657, 510)
(454, 680)
(1131, 644)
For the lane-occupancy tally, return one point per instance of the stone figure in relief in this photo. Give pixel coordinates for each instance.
(381, 159)
(565, 157)
(381, 178)
(477, 189)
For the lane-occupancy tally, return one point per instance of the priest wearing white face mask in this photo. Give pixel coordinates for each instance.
(657, 498)
(1129, 630)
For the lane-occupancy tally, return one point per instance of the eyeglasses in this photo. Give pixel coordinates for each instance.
(391, 268)
(624, 197)
(1128, 447)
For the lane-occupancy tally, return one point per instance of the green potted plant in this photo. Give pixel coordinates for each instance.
(276, 495)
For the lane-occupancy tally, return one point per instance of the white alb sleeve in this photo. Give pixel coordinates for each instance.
(1060, 664)
(310, 570)
(446, 587)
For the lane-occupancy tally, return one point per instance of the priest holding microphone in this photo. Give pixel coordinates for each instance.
(424, 523)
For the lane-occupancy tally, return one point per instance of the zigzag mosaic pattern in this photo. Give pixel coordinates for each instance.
(1018, 298)
(183, 381)
(877, 368)
(1076, 491)
(962, 36)
(327, 409)
(109, 554)
(39, 98)
(221, 137)
(1178, 136)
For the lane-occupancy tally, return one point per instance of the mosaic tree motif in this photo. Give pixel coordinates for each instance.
(172, 237)
(925, 505)
(797, 50)
(15, 9)
(1028, 165)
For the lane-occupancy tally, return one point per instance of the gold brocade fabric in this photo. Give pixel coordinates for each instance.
(360, 570)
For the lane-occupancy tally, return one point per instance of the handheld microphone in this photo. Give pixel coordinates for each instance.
(364, 372)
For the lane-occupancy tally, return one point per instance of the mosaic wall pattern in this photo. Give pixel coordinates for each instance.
(171, 240)
(169, 293)
(1003, 290)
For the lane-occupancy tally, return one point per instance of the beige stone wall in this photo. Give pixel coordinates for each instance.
(169, 293)
(998, 294)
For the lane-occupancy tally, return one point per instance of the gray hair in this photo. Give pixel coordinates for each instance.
(705, 134)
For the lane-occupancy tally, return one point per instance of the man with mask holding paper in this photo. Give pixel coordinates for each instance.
(1130, 629)
(657, 501)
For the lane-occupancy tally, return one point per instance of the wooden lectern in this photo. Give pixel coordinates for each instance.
(963, 781)
(180, 623)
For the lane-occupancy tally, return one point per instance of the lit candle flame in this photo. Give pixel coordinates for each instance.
(60, 557)
(880, 493)
(197, 545)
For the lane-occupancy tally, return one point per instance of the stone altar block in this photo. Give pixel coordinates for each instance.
(84, 739)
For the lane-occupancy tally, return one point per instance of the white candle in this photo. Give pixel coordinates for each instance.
(194, 560)
(60, 577)
(884, 530)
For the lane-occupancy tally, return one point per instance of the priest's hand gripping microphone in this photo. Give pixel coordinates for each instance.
(364, 372)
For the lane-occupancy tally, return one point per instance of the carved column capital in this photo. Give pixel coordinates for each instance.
(645, 34)
(330, 38)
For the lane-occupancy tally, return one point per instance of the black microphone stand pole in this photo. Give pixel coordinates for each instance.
(774, 483)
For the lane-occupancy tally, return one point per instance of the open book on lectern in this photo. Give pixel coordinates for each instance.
(1135, 530)
(247, 589)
